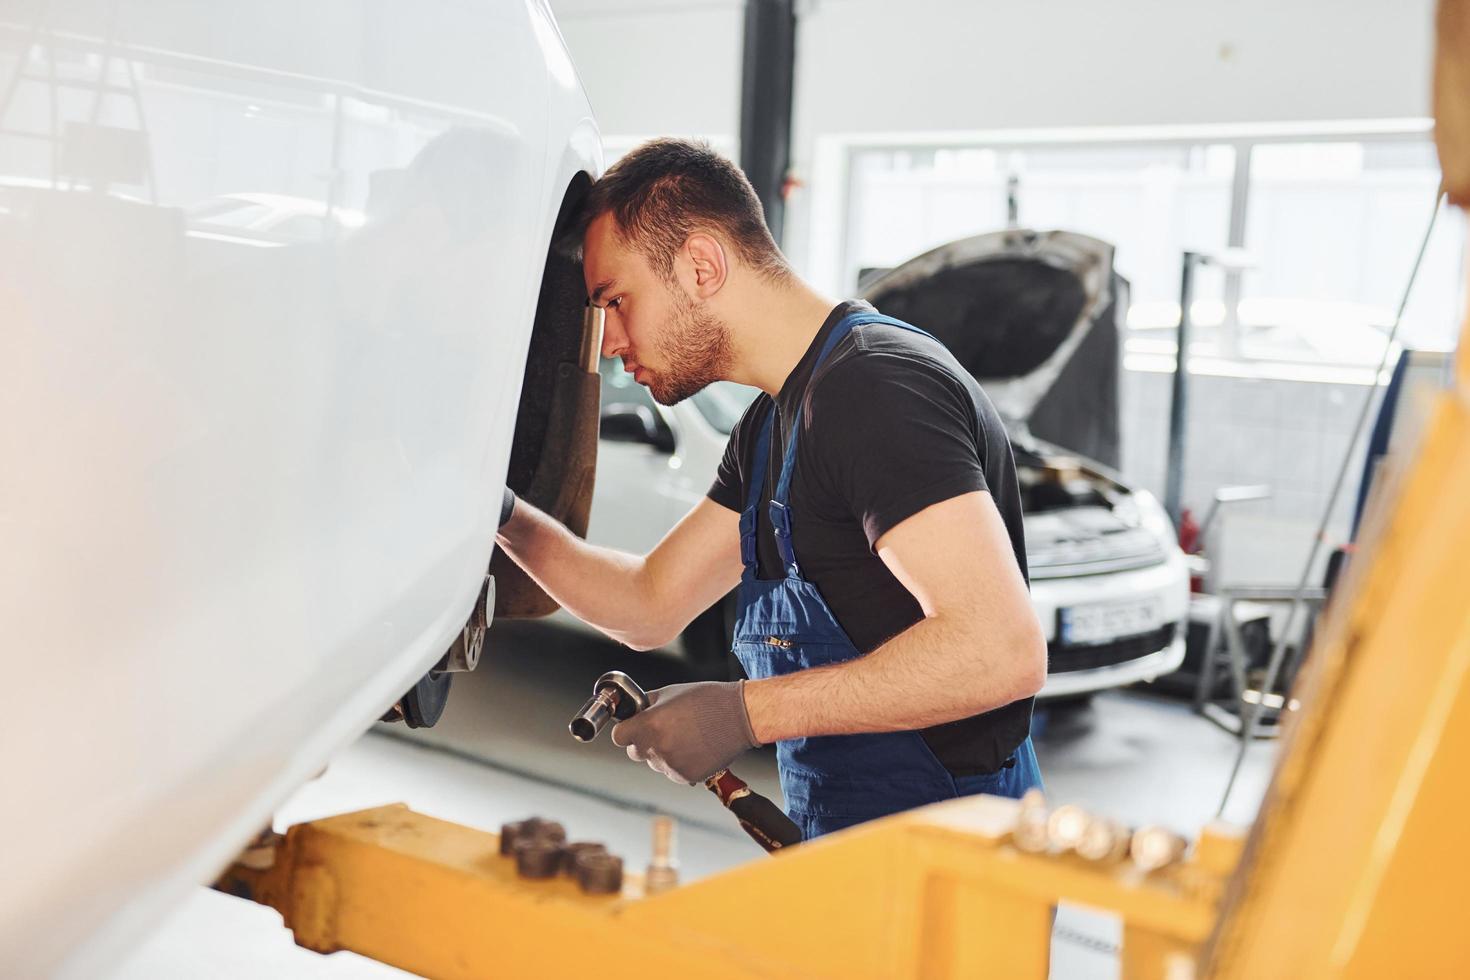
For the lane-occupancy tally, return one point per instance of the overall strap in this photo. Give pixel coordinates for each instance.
(748, 552)
(780, 502)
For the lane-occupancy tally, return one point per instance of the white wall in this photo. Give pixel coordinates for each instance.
(881, 66)
(1288, 435)
(658, 67)
(870, 67)
(943, 65)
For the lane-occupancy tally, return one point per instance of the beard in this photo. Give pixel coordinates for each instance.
(696, 348)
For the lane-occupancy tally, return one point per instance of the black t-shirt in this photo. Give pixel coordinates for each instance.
(891, 425)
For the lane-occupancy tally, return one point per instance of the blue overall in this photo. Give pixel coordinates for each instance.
(783, 625)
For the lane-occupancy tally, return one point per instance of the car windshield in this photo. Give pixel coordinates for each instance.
(723, 402)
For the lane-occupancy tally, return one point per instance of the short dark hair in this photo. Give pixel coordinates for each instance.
(665, 189)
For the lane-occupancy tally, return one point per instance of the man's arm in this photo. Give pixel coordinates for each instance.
(641, 601)
(979, 646)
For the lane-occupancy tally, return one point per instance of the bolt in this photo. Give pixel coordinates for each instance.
(1103, 840)
(1066, 825)
(662, 873)
(1030, 833)
(1153, 848)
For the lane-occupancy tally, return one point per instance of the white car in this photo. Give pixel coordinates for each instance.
(272, 217)
(251, 482)
(1108, 579)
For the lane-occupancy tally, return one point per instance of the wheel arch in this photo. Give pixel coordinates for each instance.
(553, 457)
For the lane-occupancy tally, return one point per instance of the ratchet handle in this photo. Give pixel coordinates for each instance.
(765, 822)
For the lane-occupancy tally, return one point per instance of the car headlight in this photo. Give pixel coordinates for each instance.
(1141, 509)
(1155, 518)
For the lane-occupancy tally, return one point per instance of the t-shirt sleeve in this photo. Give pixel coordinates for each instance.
(728, 488)
(894, 435)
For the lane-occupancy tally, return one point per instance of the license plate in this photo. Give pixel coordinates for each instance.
(1105, 621)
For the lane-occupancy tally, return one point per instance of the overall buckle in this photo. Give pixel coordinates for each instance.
(781, 524)
(747, 537)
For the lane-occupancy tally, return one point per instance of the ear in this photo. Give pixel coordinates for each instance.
(705, 264)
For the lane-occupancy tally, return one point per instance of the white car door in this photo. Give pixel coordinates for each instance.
(642, 487)
(251, 478)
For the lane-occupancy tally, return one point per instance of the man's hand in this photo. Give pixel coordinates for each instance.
(689, 731)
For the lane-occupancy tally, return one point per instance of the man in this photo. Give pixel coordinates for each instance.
(866, 506)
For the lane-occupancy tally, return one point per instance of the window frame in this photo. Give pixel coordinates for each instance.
(1241, 138)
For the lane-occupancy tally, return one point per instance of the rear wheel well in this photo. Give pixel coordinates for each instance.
(553, 455)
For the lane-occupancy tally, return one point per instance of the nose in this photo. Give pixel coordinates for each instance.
(614, 338)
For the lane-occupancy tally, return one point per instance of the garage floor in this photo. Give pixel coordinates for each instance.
(502, 753)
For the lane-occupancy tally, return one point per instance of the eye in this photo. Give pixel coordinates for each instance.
(615, 302)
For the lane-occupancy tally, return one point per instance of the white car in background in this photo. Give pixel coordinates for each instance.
(254, 462)
(1108, 580)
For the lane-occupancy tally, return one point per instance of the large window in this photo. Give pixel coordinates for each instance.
(1333, 229)
(1327, 229)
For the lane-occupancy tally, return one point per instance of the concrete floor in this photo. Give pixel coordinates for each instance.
(502, 752)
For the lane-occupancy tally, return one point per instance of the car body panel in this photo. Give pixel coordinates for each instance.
(261, 477)
(647, 490)
(1166, 584)
(1146, 668)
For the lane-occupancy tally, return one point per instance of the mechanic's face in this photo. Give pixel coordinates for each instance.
(666, 339)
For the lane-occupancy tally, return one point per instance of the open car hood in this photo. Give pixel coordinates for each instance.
(1013, 306)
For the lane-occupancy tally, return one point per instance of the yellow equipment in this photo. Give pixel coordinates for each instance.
(1356, 866)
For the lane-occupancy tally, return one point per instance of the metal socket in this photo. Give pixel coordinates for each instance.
(594, 716)
(570, 852)
(532, 828)
(509, 832)
(615, 696)
(599, 873)
(538, 859)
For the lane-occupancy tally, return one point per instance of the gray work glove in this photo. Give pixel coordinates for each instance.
(689, 731)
